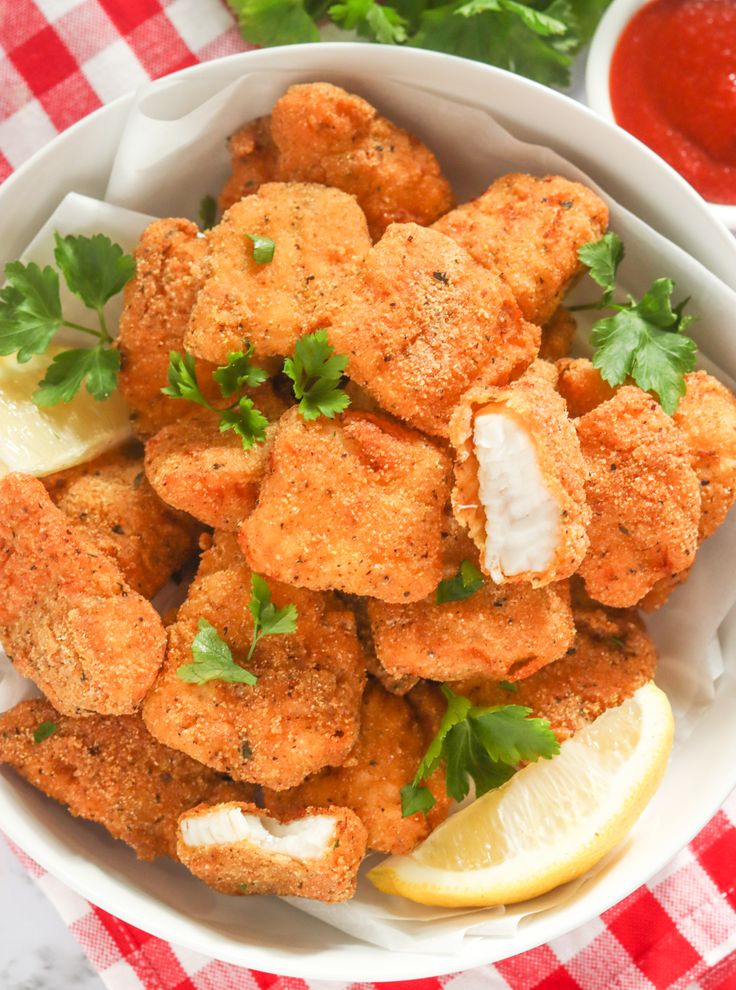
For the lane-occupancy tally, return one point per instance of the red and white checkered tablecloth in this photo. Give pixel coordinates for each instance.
(61, 59)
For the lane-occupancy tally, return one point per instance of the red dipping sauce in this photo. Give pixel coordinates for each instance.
(673, 85)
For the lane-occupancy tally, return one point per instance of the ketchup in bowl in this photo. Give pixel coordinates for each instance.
(673, 85)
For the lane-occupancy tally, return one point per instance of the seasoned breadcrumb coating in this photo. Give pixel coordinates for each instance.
(557, 335)
(302, 714)
(158, 301)
(581, 386)
(644, 495)
(533, 528)
(238, 848)
(424, 322)
(109, 501)
(354, 504)
(68, 620)
(111, 771)
(530, 228)
(611, 658)
(320, 133)
(393, 738)
(320, 238)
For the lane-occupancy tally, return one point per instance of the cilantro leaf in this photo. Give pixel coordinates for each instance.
(267, 619)
(182, 378)
(316, 372)
(44, 731)
(263, 249)
(239, 372)
(213, 660)
(94, 268)
(602, 259)
(30, 310)
(274, 22)
(97, 367)
(246, 421)
(207, 212)
(371, 20)
(466, 582)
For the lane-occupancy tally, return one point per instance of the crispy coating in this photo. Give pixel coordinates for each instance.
(68, 620)
(158, 301)
(611, 658)
(535, 405)
(353, 504)
(320, 133)
(425, 322)
(530, 228)
(505, 633)
(302, 714)
(321, 238)
(110, 502)
(557, 335)
(244, 867)
(110, 770)
(581, 386)
(394, 735)
(644, 495)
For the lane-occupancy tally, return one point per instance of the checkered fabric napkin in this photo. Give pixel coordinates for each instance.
(61, 59)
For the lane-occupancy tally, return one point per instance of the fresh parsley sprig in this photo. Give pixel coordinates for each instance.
(241, 416)
(646, 339)
(466, 582)
(95, 269)
(267, 619)
(482, 744)
(316, 372)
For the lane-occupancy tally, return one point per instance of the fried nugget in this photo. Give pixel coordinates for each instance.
(302, 714)
(353, 503)
(581, 386)
(644, 496)
(530, 229)
(557, 335)
(68, 620)
(320, 238)
(424, 322)
(394, 735)
(158, 301)
(237, 848)
(520, 481)
(110, 770)
(110, 502)
(320, 133)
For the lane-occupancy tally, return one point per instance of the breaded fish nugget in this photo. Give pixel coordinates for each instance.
(393, 739)
(320, 238)
(68, 620)
(302, 714)
(158, 301)
(110, 770)
(238, 848)
(644, 496)
(354, 504)
(581, 386)
(557, 335)
(611, 658)
(529, 228)
(320, 133)
(110, 502)
(424, 322)
(520, 481)
(504, 633)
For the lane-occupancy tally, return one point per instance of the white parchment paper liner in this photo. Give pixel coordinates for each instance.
(173, 152)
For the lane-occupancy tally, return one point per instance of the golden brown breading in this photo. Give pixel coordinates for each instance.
(530, 228)
(557, 335)
(158, 301)
(111, 771)
(497, 632)
(611, 658)
(258, 862)
(68, 620)
(320, 238)
(320, 133)
(302, 714)
(581, 386)
(110, 502)
(393, 739)
(532, 404)
(424, 322)
(644, 495)
(353, 504)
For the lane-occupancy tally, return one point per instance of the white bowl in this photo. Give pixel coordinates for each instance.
(264, 933)
(597, 72)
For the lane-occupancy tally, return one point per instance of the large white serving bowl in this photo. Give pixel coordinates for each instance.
(265, 933)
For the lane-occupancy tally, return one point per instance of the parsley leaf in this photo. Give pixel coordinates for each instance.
(30, 310)
(94, 268)
(267, 619)
(263, 249)
(371, 20)
(509, 686)
(316, 372)
(274, 22)
(482, 744)
(466, 582)
(207, 212)
(44, 731)
(602, 259)
(246, 421)
(97, 367)
(239, 372)
(213, 660)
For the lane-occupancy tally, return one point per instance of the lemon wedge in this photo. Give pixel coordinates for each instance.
(551, 822)
(41, 441)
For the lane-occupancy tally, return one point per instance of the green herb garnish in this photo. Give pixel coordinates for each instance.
(44, 730)
(263, 249)
(207, 212)
(466, 582)
(316, 372)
